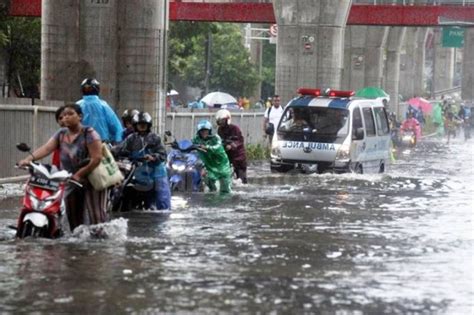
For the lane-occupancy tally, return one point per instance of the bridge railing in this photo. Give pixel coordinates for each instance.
(408, 2)
(35, 125)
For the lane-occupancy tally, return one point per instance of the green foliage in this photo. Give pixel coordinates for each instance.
(268, 69)
(230, 67)
(21, 41)
(257, 152)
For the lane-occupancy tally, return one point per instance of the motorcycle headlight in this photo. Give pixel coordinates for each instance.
(178, 167)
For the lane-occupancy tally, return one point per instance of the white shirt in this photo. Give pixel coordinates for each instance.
(275, 115)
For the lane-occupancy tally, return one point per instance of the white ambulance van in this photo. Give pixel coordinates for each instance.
(332, 131)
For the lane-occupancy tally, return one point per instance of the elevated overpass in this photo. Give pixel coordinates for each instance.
(461, 14)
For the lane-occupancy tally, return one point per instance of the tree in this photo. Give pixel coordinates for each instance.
(268, 69)
(21, 41)
(230, 68)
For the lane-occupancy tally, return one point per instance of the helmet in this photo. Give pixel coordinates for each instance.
(128, 115)
(142, 117)
(204, 124)
(223, 114)
(90, 86)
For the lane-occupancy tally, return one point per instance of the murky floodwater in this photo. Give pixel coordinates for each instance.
(398, 243)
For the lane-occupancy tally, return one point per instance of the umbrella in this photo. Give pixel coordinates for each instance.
(172, 93)
(421, 103)
(372, 92)
(218, 98)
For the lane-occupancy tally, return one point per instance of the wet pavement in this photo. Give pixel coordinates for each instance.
(397, 243)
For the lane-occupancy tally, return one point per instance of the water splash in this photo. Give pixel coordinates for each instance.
(115, 230)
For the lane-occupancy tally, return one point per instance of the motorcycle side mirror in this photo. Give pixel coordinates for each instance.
(23, 147)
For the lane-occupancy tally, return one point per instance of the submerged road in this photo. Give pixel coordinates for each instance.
(396, 243)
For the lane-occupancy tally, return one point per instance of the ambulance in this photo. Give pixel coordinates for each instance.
(331, 131)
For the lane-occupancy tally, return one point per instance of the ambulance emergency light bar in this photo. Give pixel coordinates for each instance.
(326, 92)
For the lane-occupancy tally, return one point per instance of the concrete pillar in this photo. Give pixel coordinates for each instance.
(395, 40)
(468, 65)
(354, 58)
(142, 56)
(419, 86)
(79, 39)
(374, 55)
(443, 63)
(408, 63)
(310, 44)
(121, 43)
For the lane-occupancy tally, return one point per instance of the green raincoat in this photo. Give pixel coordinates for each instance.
(216, 162)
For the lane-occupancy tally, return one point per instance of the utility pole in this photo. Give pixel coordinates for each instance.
(208, 62)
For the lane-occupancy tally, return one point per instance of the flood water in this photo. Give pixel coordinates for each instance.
(397, 243)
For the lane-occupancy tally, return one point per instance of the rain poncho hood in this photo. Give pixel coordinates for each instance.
(100, 116)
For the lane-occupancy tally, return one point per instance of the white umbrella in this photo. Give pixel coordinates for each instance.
(172, 93)
(221, 98)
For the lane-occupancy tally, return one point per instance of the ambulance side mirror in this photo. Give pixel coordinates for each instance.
(358, 134)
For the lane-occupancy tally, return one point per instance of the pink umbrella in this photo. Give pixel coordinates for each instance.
(421, 103)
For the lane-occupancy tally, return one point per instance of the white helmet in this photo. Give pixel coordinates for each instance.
(223, 114)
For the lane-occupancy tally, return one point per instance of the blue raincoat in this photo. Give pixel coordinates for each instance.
(100, 116)
(150, 171)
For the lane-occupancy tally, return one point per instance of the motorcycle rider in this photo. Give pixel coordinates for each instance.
(213, 156)
(127, 117)
(77, 143)
(98, 114)
(411, 123)
(233, 143)
(144, 143)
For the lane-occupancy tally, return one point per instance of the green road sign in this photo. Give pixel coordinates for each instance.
(453, 36)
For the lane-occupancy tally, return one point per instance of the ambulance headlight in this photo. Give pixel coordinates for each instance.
(276, 153)
(344, 153)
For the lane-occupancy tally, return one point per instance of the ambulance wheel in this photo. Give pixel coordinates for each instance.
(358, 169)
(382, 168)
(280, 168)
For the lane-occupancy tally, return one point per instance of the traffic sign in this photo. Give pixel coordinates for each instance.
(453, 37)
(274, 30)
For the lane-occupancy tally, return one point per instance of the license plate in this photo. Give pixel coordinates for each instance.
(44, 183)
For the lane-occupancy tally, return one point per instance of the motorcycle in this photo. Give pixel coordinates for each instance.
(407, 138)
(184, 166)
(43, 205)
(135, 190)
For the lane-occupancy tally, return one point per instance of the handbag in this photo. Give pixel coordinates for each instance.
(270, 129)
(107, 173)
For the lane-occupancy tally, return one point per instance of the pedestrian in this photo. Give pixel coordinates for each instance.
(144, 143)
(78, 144)
(127, 122)
(213, 156)
(98, 114)
(271, 118)
(233, 141)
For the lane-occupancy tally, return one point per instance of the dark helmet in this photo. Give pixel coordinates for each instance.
(90, 86)
(128, 114)
(142, 117)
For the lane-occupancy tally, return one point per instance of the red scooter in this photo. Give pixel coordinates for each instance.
(43, 203)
